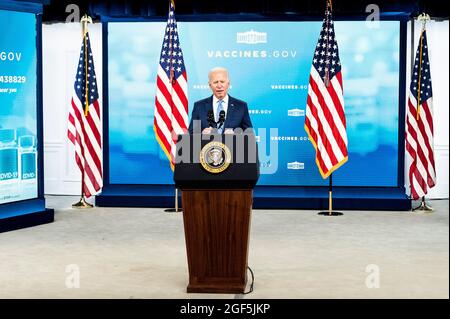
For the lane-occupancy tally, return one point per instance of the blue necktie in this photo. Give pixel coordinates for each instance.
(219, 108)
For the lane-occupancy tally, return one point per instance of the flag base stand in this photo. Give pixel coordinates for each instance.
(423, 207)
(330, 214)
(330, 211)
(82, 204)
(177, 209)
(173, 210)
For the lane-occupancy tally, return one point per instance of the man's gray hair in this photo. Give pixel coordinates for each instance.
(218, 69)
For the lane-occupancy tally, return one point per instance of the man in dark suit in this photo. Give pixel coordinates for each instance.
(228, 112)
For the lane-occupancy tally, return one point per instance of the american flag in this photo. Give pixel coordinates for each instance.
(84, 127)
(419, 126)
(325, 118)
(171, 103)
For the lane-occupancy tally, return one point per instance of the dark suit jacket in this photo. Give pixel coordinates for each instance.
(237, 114)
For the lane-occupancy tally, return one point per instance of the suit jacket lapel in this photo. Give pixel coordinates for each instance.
(209, 104)
(231, 107)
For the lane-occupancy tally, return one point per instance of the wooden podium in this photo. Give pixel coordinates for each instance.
(217, 209)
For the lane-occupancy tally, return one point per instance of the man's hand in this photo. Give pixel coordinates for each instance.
(207, 130)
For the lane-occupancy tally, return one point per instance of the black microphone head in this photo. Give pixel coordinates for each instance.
(222, 115)
(211, 120)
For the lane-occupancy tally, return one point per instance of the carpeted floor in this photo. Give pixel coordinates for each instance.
(140, 253)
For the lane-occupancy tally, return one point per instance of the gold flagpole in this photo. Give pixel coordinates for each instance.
(176, 209)
(84, 21)
(420, 64)
(172, 80)
(423, 207)
(326, 80)
(330, 200)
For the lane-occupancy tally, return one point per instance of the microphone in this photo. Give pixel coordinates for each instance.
(221, 118)
(211, 121)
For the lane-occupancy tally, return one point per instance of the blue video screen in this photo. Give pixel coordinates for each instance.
(18, 123)
(269, 65)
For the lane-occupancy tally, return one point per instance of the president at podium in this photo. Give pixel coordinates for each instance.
(219, 111)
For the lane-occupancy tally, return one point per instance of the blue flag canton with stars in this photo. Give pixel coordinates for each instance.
(422, 69)
(326, 56)
(80, 81)
(171, 58)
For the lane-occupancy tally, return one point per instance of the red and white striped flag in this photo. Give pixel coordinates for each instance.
(171, 103)
(84, 127)
(419, 154)
(325, 118)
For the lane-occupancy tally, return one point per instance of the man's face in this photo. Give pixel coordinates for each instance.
(219, 84)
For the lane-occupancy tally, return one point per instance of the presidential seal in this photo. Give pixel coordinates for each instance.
(215, 157)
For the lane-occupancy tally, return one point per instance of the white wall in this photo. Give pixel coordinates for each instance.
(61, 51)
(61, 45)
(437, 36)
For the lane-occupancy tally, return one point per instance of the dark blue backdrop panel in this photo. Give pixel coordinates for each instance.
(266, 197)
(23, 214)
(22, 6)
(22, 202)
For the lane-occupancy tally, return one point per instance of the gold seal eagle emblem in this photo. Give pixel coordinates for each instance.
(215, 157)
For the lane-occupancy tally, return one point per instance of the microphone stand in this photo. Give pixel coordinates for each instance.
(212, 123)
(221, 119)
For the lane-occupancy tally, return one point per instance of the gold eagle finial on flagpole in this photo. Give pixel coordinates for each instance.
(424, 18)
(84, 21)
